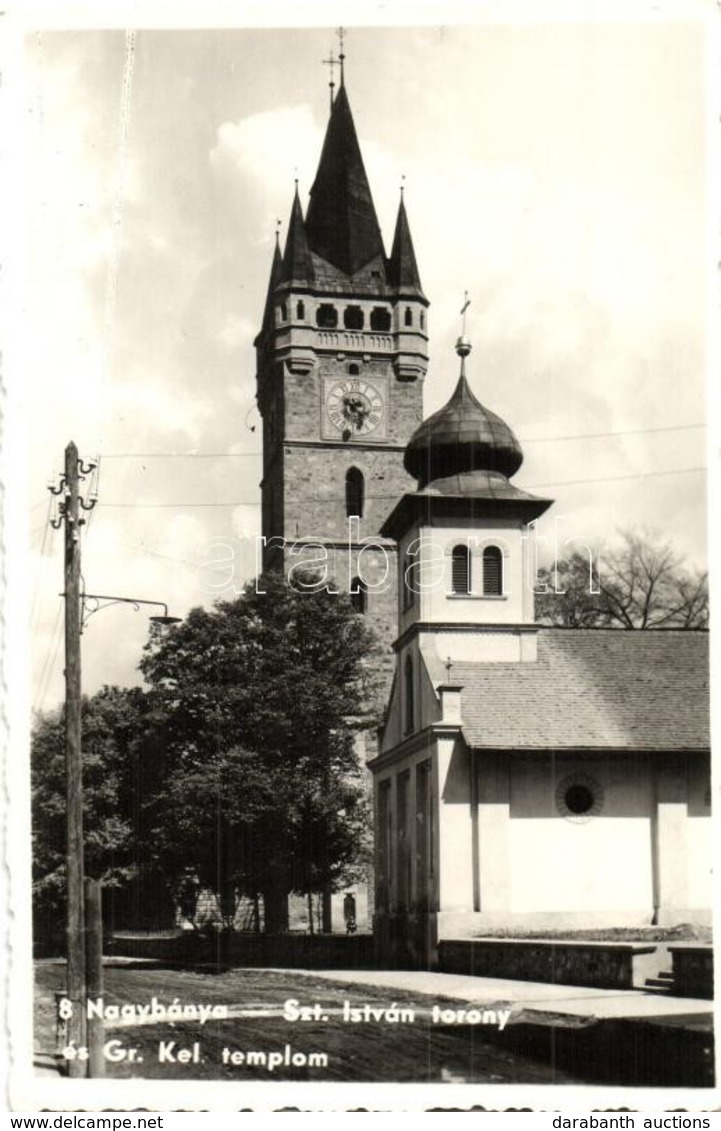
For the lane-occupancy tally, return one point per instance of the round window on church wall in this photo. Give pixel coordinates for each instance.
(579, 797)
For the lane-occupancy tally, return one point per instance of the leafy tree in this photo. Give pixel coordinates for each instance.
(640, 583)
(110, 724)
(257, 702)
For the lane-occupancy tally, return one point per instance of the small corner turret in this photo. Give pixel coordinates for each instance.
(337, 290)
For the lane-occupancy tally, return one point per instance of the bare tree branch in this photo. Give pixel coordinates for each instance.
(641, 582)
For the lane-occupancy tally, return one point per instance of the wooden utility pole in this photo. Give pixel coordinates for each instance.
(83, 1041)
(94, 974)
(77, 981)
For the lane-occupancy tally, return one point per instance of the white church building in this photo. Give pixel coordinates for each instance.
(527, 777)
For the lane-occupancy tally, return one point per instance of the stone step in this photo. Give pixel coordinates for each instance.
(661, 984)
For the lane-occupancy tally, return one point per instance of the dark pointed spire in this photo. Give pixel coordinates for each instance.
(275, 278)
(297, 261)
(402, 268)
(341, 225)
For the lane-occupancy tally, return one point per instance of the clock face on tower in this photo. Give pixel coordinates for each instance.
(354, 407)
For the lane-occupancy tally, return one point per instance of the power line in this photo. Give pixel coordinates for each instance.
(337, 498)
(47, 530)
(94, 490)
(182, 455)
(161, 506)
(617, 478)
(167, 558)
(621, 432)
(530, 440)
(50, 655)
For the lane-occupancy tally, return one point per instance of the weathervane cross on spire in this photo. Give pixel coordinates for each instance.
(331, 62)
(464, 308)
(341, 54)
(463, 346)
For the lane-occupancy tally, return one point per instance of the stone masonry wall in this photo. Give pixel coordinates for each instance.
(315, 483)
(303, 399)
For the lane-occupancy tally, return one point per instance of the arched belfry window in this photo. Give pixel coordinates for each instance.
(492, 572)
(408, 688)
(380, 319)
(353, 318)
(326, 316)
(359, 595)
(300, 310)
(408, 319)
(461, 569)
(354, 492)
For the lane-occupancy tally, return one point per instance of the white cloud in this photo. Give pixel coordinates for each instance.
(572, 218)
(236, 331)
(266, 151)
(246, 521)
(159, 403)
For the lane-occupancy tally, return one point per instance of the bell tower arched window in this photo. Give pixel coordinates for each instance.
(353, 318)
(408, 688)
(492, 572)
(461, 569)
(326, 316)
(354, 492)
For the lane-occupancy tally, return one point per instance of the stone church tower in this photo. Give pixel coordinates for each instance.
(341, 358)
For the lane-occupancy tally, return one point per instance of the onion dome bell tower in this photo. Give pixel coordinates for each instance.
(465, 573)
(464, 447)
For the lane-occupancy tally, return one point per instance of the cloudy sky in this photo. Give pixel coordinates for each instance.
(556, 171)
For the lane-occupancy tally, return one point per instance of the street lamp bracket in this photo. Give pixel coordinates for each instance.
(91, 603)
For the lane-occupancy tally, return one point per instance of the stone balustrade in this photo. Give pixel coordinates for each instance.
(357, 342)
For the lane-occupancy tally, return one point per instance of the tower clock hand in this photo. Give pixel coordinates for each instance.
(355, 410)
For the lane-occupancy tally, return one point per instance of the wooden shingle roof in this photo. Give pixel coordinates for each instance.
(591, 689)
